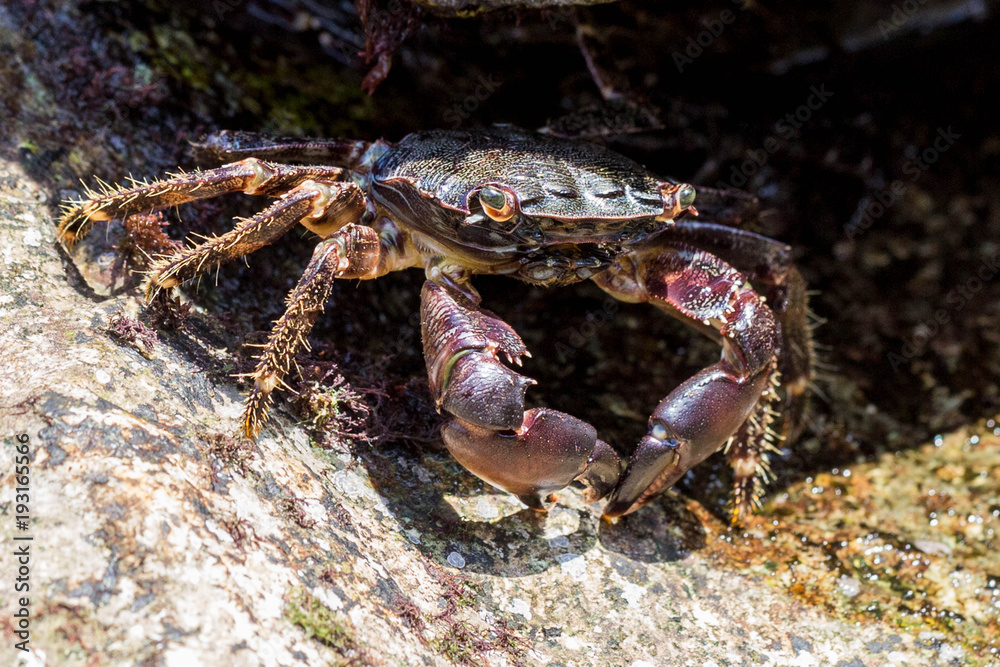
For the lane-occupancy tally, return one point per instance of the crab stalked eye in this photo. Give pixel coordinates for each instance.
(678, 199)
(685, 197)
(497, 203)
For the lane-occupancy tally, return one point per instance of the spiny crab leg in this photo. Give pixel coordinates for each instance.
(315, 204)
(353, 252)
(530, 453)
(230, 146)
(699, 416)
(252, 176)
(747, 452)
(310, 196)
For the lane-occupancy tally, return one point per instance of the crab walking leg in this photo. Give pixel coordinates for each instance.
(729, 208)
(251, 176)
(231, 145)
(353, 252)
(768, 265)
(530, 454)
(748, 454)
(698, 417)
(320, 206)
(797, 357)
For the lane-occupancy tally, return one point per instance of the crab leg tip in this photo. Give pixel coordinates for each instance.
(166, 282)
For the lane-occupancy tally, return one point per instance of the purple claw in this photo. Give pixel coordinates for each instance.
(531, 454)
(698, 417)
(549, 451)
(687, 427)
(484, 392)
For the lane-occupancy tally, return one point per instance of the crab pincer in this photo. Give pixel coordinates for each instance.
(698, 417)
(532, 453)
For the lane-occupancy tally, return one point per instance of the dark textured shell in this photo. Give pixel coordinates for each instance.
(551, 177)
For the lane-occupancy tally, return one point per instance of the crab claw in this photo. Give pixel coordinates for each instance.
(547, 453)
(686, 428)
(530, 453)
(484, 392)
(700, 416)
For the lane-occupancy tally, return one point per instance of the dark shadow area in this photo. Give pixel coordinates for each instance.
(663, 531)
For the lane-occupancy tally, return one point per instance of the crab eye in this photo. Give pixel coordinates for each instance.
(686, 196)
(497, 203)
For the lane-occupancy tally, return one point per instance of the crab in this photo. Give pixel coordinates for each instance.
(547, 211)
